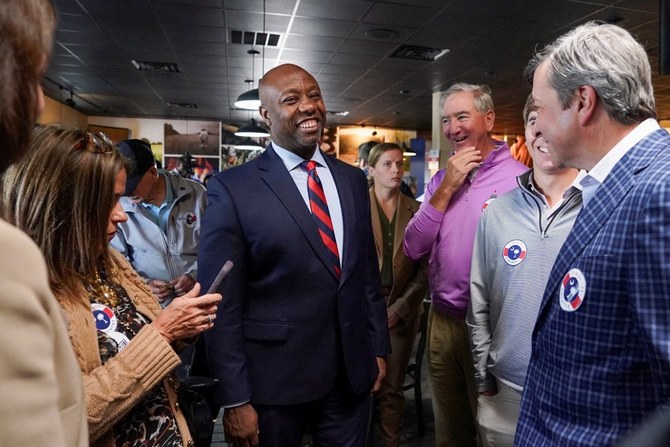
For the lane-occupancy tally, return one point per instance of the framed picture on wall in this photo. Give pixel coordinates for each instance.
(231, 157)
(116, 134)
(198, 138)
(202, 167)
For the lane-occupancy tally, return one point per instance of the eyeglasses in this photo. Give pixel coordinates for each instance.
(97, 143)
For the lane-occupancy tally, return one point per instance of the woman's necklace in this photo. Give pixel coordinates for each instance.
(100, 290)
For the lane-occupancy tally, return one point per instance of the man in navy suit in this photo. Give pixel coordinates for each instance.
(300, 342)
(600, 360)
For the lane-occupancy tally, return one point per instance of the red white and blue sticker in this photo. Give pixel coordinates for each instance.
(514, 252)
(489, 201)
(573, 290)
(105, 320)
(190, 219)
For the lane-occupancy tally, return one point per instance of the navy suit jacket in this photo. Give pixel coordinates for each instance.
(286, 324)
(598, 371)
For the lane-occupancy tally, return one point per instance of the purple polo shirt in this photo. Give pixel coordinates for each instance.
(447, 238)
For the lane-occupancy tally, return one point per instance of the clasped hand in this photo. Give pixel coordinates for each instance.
(178, 286)
(188, 315)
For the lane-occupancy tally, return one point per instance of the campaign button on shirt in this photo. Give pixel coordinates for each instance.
(572, 291)
(514, 252)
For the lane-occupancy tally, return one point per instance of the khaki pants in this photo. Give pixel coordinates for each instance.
(452, 378)
(497, 416)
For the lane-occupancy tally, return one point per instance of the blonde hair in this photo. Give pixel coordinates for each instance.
(379, 149)
(62, 196)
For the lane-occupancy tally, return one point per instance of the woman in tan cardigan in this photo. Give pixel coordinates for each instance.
(66, 197)
(404, 281)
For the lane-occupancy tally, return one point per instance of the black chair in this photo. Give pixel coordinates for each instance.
(414, 371)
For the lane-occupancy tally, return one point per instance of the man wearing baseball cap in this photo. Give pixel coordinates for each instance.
(160, 238)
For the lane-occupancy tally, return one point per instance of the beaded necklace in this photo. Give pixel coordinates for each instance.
(100, 289)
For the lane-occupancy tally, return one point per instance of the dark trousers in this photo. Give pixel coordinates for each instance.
(340, 419)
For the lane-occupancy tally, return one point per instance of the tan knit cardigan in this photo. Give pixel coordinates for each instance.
(114, 388)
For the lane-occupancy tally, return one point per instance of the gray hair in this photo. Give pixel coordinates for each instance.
(607, 58)
(481, 94)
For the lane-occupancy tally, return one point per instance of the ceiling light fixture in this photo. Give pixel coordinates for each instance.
(70, 101)
(249, 100)
(248, 145)
(252, 130)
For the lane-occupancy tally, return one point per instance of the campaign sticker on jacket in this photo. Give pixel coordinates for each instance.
(190, 219)
(514, 252)
(573, 290)
(105, 320)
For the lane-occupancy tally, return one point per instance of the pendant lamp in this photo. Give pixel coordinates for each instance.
(250, 100)
(252, 130)
(249, 145)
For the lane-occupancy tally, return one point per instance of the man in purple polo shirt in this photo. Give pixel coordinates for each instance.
(443, 230)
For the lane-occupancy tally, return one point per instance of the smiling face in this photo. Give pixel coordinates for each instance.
(557, 126)
(292, 106)
(388, 170)
(463, 125)
(537, 147)
(117, 215)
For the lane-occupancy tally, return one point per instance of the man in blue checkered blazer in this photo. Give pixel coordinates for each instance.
(600, 361)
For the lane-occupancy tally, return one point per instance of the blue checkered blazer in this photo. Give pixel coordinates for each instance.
(599, 371)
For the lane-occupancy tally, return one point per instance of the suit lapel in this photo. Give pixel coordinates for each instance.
(280, 182)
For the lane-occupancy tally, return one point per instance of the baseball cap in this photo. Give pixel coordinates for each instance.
(141, 158)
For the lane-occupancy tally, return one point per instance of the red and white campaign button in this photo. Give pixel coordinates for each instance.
(573, 290)
(104, 317)
(514, 252)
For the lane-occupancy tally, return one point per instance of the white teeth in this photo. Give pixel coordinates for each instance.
(543, 149)
(307, 124)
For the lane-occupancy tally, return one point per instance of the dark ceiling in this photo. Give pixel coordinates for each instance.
(346, 44)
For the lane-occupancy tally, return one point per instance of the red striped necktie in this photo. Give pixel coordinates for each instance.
(319, 207)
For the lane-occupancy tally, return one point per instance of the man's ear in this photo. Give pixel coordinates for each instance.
(587, 99)
(490, 119)
(263, 112)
